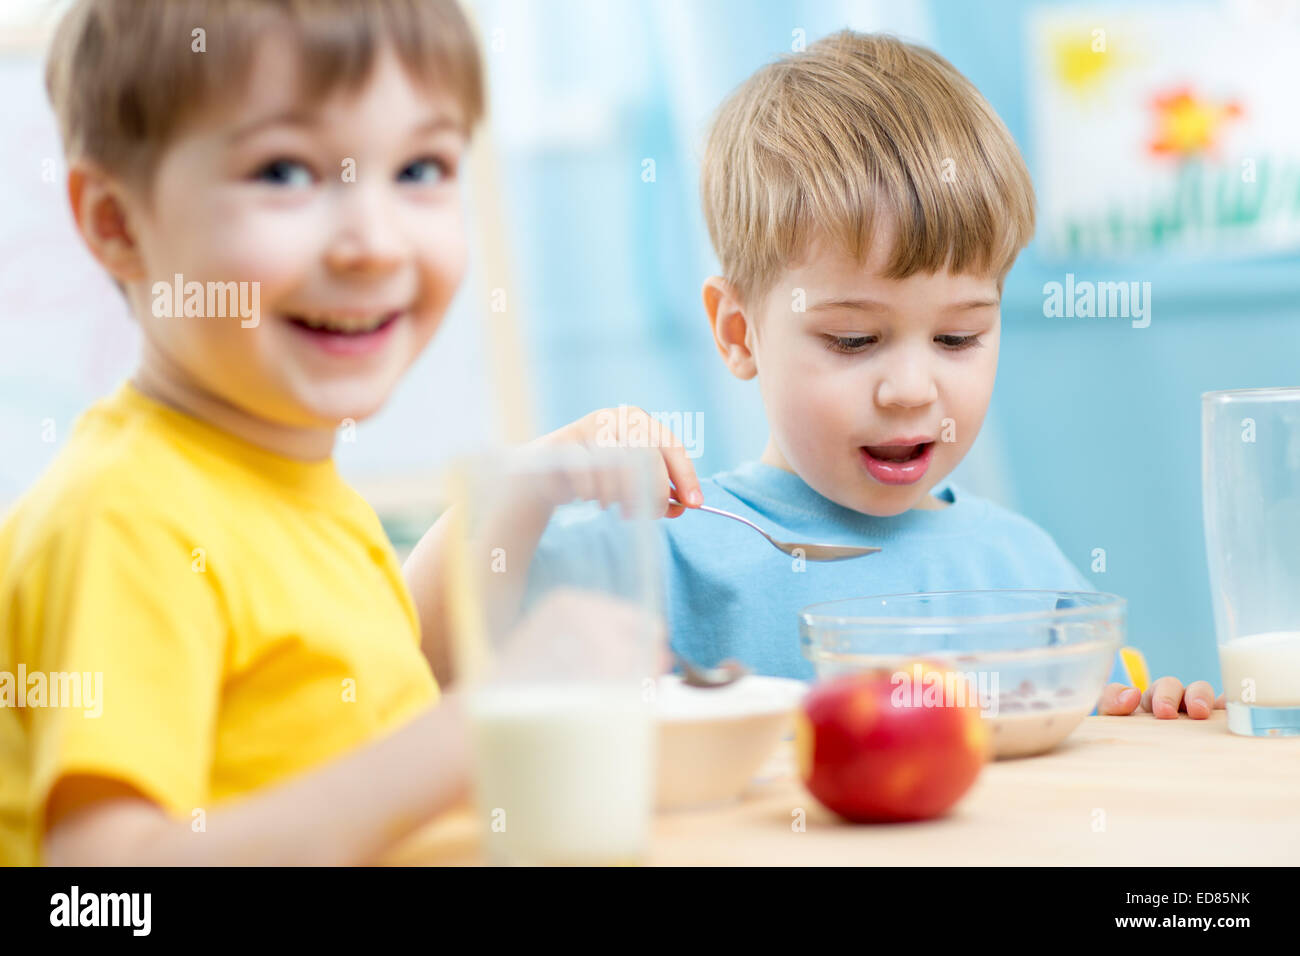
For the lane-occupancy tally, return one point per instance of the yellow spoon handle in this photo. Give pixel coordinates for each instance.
(1136, 667)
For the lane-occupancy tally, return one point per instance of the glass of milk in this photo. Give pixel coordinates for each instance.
(1251, 499)
(556, 598)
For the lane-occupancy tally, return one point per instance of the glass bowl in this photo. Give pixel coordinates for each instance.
(1036, 661)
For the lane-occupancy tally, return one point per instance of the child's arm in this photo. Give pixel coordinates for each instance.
(426, 579)
(346, 812)
(425, 571)
(353, 809)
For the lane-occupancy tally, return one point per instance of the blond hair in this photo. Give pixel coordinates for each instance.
(124, 77)
(856, 131)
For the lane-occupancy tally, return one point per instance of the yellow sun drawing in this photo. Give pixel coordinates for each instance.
(1082, 58)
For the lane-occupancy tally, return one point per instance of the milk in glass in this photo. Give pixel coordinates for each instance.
(564, 772)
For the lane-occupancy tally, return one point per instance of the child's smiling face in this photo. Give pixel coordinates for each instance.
(256, 192)
(869, 362)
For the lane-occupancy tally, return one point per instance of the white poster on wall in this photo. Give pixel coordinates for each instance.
(1168, 129)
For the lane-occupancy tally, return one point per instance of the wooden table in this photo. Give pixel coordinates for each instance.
(1120, 790)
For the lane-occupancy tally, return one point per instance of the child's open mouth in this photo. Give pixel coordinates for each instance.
(346, 336)
(900, 464)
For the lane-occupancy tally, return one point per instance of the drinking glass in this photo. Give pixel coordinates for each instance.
(1251, 498)
(558, 634)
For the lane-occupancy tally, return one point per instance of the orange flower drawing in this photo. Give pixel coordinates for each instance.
(1187, 125)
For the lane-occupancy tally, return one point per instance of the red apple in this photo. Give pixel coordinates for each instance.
(881, 746)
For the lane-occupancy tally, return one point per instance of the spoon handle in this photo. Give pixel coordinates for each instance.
(813, 552)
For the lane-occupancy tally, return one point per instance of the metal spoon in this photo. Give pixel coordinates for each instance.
(727, 672)
(810, 552)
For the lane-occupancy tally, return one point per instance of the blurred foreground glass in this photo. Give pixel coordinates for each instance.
(558, 644)
(1251, 496)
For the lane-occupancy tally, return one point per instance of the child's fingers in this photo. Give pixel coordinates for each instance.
(1198, 699)
(575, 484)
(608, 481)
(681, 473)
(686, 484)
(679, 477)
(635, 428)
(623, 483)
(663, 488)
(575, 633)
(1118, 700)
(664, 491)
(607, 484)
(548, 489)
(1218, 703)
(1163, 698)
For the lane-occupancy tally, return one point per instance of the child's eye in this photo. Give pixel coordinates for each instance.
(957, 342)
(849, 344)
(284, 172)
(427, 171)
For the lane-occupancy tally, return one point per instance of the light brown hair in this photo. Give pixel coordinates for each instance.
(859, 130)
(124, 77)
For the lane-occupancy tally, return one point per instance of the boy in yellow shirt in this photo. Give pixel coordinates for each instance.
(274, 188)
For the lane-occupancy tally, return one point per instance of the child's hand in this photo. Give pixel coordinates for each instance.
(1165, 697)
(633, 427)
(572, 634)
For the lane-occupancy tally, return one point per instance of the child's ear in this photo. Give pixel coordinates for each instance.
(732, 327)
(99, 208)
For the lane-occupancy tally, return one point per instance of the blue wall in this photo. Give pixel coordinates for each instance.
(1102, 421)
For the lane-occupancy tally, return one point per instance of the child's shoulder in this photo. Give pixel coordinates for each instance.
(116, 468)
(994, 515)
(1016, 539)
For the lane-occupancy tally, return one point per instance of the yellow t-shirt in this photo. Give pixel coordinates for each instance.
(234, 617)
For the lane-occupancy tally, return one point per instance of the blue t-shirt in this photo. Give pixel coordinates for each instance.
(731, 594)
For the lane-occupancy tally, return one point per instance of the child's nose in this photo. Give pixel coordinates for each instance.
(366, 236)
(907, 383)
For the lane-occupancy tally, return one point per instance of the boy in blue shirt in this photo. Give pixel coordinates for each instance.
(866, 204)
